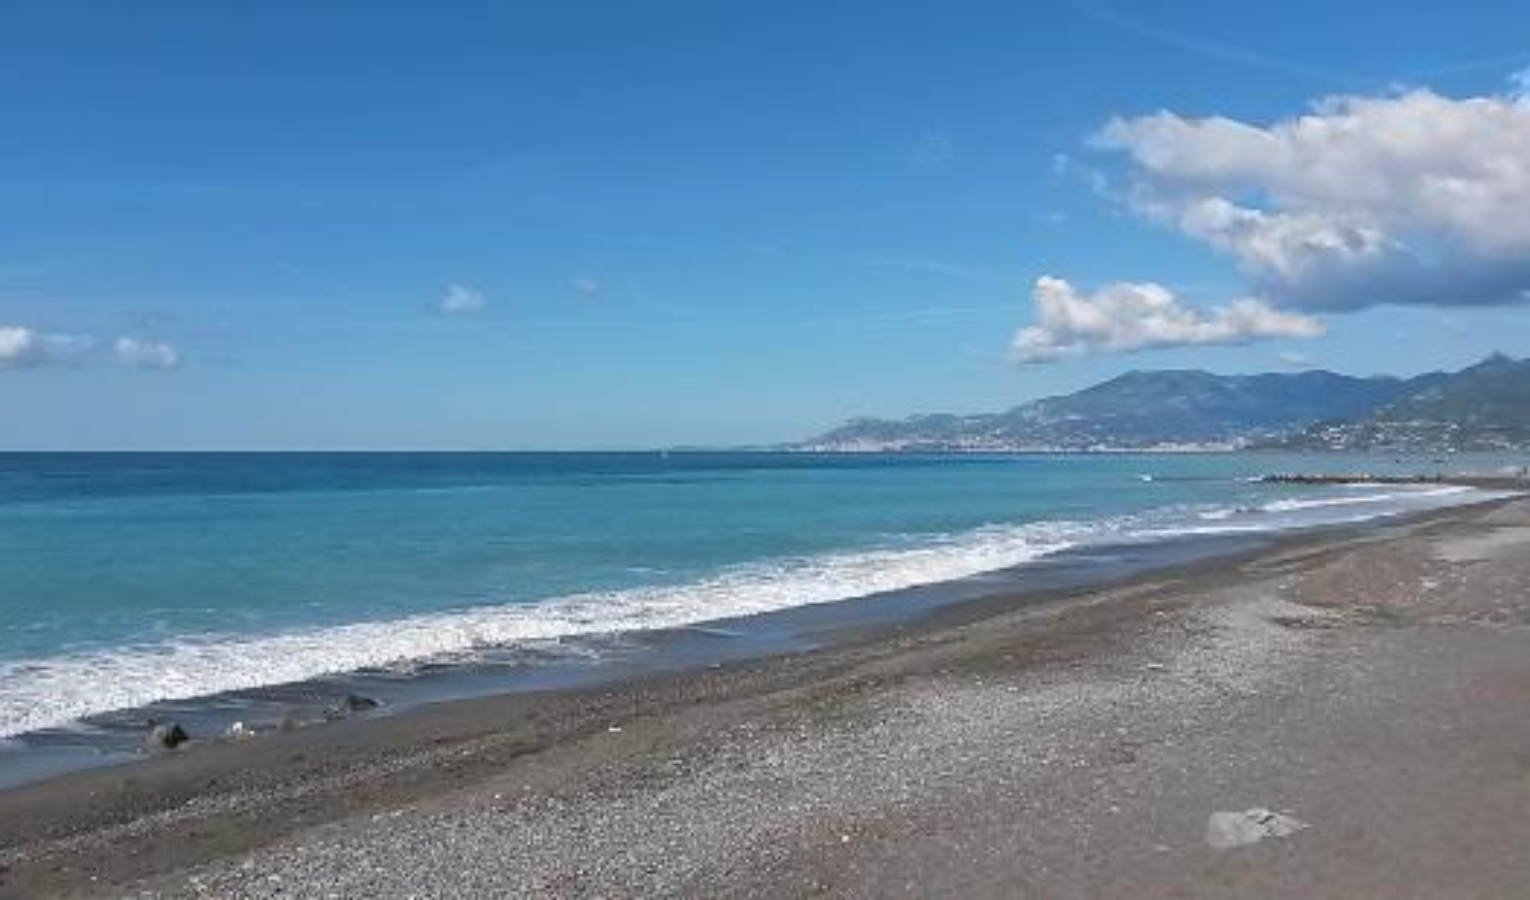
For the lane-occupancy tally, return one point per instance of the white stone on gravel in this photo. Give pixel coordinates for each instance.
(1227, 830)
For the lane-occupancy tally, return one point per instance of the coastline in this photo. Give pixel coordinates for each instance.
(201, 814)
(95, 709)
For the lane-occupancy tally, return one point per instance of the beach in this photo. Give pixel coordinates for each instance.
(865, 450)
(1338, 715)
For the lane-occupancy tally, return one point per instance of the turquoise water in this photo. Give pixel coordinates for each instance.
(134, 578)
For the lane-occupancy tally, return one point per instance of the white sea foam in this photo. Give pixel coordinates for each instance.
(1411, 496)
(1218, 514)
(49, 692)
(54, 691)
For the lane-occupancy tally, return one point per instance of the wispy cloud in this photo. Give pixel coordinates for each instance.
(588, 286)
(1293, 360)
(1220, 51)
(461, 300)
(1065, 166)
(25, 348)
(147, 354)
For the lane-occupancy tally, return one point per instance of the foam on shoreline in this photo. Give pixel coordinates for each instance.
(55, 691)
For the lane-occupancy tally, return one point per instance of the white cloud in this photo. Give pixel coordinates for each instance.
(145, 354)
(588, 286)
(1408, 198)
(461, 300)
(1124, 317)
(24, 348)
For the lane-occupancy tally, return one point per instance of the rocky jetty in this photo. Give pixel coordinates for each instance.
(1294, 478)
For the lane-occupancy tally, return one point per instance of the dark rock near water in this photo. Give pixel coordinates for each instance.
(167, 736)
(349, 704)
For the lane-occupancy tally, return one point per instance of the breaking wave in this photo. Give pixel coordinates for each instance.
(54, 691)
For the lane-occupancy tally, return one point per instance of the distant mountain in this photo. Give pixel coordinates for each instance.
(1164, 409)
(1485, 407)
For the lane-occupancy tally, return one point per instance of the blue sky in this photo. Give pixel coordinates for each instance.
(715, 222)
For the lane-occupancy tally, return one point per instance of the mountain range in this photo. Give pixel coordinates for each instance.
(1483, 407)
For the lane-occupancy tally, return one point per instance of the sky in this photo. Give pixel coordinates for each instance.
(533, 225)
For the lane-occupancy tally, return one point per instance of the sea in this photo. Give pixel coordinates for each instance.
(254, 588)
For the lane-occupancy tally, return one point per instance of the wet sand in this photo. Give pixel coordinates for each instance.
(1369, 689)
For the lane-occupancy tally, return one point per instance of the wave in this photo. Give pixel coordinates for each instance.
(1222, 513)
(1389, 495)
(55, 691)
(1298, 505)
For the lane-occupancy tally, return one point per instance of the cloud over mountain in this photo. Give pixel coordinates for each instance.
(1125, 317)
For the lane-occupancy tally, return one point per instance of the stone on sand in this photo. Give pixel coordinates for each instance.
(1226, 830)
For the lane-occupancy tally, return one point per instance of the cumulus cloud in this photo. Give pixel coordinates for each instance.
(24, 348)
(461, 300)
(146, 354)
(1413, 198)
(588, 286)
(1125, 317)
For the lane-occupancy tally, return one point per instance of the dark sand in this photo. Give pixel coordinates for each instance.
(1372, 686)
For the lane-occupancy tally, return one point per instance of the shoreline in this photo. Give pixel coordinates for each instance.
(594, 661)
(109, 828)
(646, 654)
